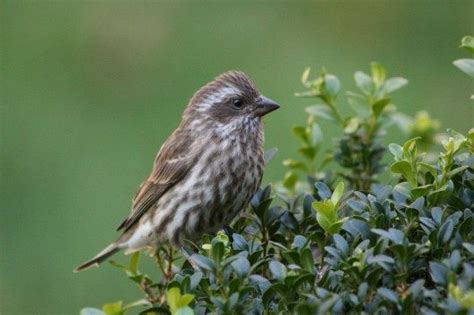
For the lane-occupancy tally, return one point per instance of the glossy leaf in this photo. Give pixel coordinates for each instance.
(393, 84)
(337, 194)
(241, 267)
(467, 42)
(363, 82)
(278, 270)
(466, 66)
(388, 294)
(332, 84)
(320, 111)
(91, 311)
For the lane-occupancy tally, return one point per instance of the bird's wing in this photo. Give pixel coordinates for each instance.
(171, 165)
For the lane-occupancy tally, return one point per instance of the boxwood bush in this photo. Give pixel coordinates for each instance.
(337, 235)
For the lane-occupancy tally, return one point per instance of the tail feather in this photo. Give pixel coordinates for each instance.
(99, 258)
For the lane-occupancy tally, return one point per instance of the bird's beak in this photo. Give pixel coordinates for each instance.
(265, 105)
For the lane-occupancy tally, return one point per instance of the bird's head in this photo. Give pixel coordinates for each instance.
(230, 98)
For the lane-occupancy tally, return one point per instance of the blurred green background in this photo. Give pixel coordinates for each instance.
(91, 89)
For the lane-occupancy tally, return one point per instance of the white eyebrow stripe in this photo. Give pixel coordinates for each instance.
(219, 96)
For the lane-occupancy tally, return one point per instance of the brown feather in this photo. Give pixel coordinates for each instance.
(171, 165)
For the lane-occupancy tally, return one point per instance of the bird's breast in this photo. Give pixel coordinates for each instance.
(218, 186)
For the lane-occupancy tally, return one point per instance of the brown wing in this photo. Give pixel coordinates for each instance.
(171, 165)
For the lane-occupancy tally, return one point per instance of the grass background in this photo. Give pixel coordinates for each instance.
(91, 89)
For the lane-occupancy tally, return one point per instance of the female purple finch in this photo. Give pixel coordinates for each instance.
(204, 174)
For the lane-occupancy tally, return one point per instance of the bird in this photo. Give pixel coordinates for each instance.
(204, 174)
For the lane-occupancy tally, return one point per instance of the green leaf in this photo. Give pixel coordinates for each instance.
(306, 259)
(402, 190)
(457, 170)
(241, 267)
(308, 152)
(362, 290)
(300, 132)
(454, 143)
(438, 273)
(218, 251)
(332, 84)
(466, 227)
(91, 311)
(293, 164)
(326, 211)
(195, 279)
(316, 135)
(470, 137)
(467, 42)
(393, 84)
(177, 302)
(441, 194)
(380, 105)
(113, 308)
(324, 222)
(352, 125)
(278, 270)
(378, 73)
(437, 215)
(409, 146)
(455, 260)
(358, 103)
(356, 228)
(173, 296)
(334, 252)
(119, 266)
(185, 311)
(381, 259)
(336, 226)
(468, 246)
(416, 288)
(337, 194)
(203, 262)
(396, 150)
(393, 235)
(429, 168)
(446, 231)
(262, 283)
(363, 82)
(299, 242)
(290, 180)
(341, 243)
(421, 191)
(320, 111)
(326, 208)
(465, 65)
(305, 75)
(404, 168)
(388, 294)
(134, 262)
(185, 299)
(311, 93)
(141, 302)
(323, 190)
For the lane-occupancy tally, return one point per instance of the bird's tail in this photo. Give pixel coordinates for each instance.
(100, 257)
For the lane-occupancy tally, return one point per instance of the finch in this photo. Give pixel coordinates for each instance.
(204, 174)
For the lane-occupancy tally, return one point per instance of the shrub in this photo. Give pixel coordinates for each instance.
(362, 247)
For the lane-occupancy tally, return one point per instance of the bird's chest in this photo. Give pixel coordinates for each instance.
(236, 172)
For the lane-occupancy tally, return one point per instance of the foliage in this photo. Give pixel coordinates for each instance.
(326, 211)
(305, 248)
(467, 64)
(359, 150)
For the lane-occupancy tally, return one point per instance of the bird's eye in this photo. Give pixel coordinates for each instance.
(237, 103)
